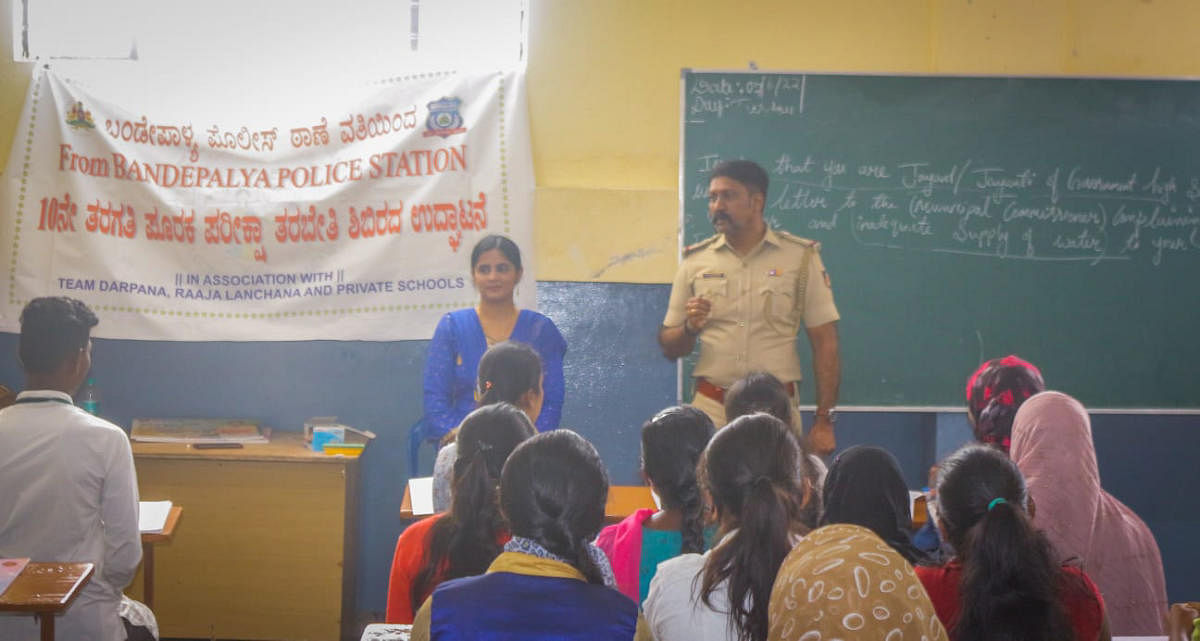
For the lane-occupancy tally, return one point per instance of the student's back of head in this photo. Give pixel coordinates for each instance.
(553, 490)
(1010, 577)
(511, 372)
(750, 473)
(672, 444)
(758, 392)
(465, 541)
(762, 392)
(55, 332)
(995, 391)
(865, 487)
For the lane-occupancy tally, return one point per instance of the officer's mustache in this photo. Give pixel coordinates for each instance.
(719, 216)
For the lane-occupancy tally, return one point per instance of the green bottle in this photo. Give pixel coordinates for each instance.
(89, 398)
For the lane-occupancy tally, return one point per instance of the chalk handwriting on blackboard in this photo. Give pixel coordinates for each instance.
(766, 96)
(1029, 213)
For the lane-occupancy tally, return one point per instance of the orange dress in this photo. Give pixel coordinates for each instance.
(407, 560)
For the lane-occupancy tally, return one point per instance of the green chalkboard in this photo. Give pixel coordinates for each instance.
(968, 218)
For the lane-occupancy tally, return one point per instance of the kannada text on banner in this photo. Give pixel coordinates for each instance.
(350, 226)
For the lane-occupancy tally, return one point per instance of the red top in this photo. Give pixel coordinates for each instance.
(1082, 600)
(406, 562)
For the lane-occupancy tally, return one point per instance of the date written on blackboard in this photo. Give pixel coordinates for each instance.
(754, 95)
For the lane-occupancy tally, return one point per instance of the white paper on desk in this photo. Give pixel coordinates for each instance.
(9, 569)
(420, 491)
(387, 632)
(152, 516)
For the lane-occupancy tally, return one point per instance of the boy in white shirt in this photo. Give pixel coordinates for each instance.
(70, 490)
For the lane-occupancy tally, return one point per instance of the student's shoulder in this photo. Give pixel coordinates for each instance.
(96, 427)
(697, 247)
(417, 532)
(678, 570)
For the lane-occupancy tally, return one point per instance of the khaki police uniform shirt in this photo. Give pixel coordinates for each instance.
(759, 303)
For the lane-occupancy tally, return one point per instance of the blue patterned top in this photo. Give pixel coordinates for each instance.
(453, 363)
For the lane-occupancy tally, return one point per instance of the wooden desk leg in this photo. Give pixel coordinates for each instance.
(47, 625)
(148, 574)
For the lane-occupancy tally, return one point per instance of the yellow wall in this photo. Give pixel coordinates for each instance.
(604, 89)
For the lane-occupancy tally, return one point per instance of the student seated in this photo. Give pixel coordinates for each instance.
(865, 487)
(464, 541)
(994, 394)
(844, 582)
(1006, 581)
(762, 392)
(550, 582)
(509, 372)
(68, 489)
(995, 391)
(672, 443)
(1052, 446)
(749, 471)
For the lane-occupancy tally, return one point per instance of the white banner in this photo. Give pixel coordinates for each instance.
(349, 217)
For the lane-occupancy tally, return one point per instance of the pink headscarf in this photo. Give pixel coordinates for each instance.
(1052, 446)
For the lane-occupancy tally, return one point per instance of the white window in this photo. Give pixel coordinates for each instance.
(307, 37)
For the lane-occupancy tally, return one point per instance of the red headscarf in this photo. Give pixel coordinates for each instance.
(995, 391)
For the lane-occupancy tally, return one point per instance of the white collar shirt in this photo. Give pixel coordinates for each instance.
(68, 492)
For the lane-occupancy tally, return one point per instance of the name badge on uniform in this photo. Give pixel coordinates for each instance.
(712, 275)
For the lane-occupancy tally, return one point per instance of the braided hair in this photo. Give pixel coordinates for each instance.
(672, 443)
(553, 490)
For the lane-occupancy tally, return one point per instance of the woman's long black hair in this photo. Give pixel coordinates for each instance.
(762, 392)
(749, 470)
(1011, 582)
(553, 490)
(464, 542)
(672, 443)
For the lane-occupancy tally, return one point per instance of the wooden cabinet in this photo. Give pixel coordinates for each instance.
(265, 547)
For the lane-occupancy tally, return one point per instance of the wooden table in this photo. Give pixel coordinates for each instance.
(623, 500)
(269, 548)
(149, 540)
(46, 590)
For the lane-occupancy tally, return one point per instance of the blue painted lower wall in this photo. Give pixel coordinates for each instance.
(616, 378)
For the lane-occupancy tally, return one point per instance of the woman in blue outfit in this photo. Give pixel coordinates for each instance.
(550, 582)
(463, 336)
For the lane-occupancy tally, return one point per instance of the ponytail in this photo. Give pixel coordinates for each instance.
(464, 542)
(750, 469)
(1011, 582)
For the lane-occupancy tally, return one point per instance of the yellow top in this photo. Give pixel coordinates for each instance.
(759, 303)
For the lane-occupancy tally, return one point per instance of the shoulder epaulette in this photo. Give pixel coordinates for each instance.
(690, 249)
(799, 240)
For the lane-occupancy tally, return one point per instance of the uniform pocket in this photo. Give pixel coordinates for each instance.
(715, 291)
(779, 300)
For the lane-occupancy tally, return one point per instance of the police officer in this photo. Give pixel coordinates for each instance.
(744, 294)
